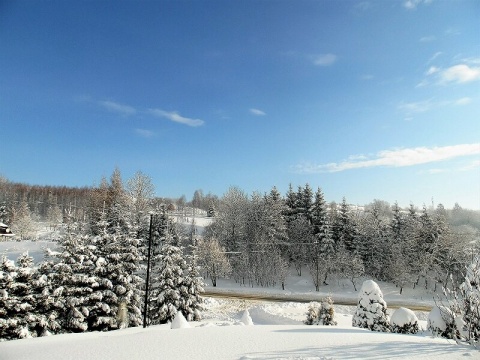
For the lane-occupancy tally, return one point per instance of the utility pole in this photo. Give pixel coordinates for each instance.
(147, 282)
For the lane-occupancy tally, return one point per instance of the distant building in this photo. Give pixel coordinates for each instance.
(5, 230)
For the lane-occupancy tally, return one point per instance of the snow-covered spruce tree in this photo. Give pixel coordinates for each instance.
(118, 262)
(86, 297)
(28, 324)
(191, 303)
(404, 321)
(173, 288)
(371, 310)
(322, 251)
(8, 324)
(24, 300)
(322, 313)
(19, 301)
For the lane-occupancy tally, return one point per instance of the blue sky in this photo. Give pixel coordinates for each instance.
(365, 99)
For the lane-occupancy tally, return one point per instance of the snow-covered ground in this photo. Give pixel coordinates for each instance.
(278, 331)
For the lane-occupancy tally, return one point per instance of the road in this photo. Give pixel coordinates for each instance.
(303, 298)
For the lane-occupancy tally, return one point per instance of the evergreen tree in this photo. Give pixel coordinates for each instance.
(9, 322)
(175, 287)
(323, 249)
(371, 312)
(343, 229)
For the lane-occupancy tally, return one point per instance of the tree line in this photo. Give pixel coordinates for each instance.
(262, 236)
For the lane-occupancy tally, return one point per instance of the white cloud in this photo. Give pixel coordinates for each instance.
(324, 59)
(461, 73)
(176, 117)
(396, 158)
(412, 4)
(257, 112)
(113, 106)
(432, 70)
(145, 133)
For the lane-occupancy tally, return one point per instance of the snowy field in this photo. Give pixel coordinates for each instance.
(277, 333)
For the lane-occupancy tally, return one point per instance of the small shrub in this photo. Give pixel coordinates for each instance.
(441, 322)
(404, 321)
(321, 313)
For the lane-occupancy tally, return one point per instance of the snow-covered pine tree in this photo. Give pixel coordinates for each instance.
(174, 285)
(343, 228)
(85, 295)
(24, 300)
(190, 291)
(167, 280)
(8, 323)
(371, 312)
(24, 297)
(118, 264)
(322, 250)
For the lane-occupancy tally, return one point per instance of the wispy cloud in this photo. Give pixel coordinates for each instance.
(176, 117)
(416, 107)
(463, 101)
(412, 4)
(395, 158)
(257, 112)
(115, 107)
(429, 38)
(434, 56)
(469, 166)
(324, 59)
(145, 133)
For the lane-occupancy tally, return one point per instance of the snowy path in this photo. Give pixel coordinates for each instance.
(304, 298)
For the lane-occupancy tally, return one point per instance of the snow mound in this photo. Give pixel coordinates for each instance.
(179, 322)
(246, 318)
(403, 316)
